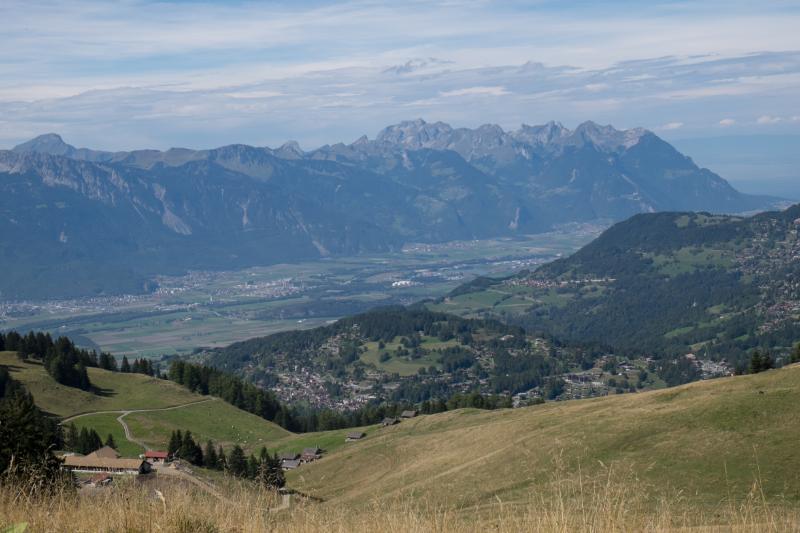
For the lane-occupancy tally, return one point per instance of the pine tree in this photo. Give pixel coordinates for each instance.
(795, 356)
(210, 456)
(270, 474)
(222, 461)
(252, 467)
(755, 362)
(237, 464)
(72, 438)
(110, 441)
(175, 442)
(27, 437)
(190, 451)
(126, 366)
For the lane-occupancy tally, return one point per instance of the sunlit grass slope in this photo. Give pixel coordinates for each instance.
(116, 390)
(707, 441)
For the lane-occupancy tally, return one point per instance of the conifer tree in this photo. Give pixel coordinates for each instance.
(222, 461)
(175, 443)
(126, 366)
(210, 459)
(110, 441)
(252, 467)
(237, 464)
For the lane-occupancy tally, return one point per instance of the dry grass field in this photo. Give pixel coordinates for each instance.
(604, 506)
(707, 443)
(717, 455)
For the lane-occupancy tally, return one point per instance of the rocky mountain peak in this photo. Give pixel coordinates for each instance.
(49, 143)
(606, 138)
(415, 134)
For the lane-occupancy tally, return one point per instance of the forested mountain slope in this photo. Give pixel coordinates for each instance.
(664, 284)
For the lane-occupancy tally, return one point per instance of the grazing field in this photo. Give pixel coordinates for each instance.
(116, 391)
(107, 423)
(712, 442)
(404, 365)
(215, 420)
(206, 417)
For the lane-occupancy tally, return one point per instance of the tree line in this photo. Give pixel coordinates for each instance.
(65, 362)
(265, 469)
(28, 439)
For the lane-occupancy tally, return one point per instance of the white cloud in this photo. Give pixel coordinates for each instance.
(254, 94)
(328, 102)
(672, 126)
(596, 87)
(725, 122)
(476, 91)
(768, 119)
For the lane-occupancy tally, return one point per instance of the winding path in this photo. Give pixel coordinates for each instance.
(129, 411)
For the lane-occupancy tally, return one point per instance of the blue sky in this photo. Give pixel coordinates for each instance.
(131, 74)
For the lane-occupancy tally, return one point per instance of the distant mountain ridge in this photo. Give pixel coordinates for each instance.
(85, 221)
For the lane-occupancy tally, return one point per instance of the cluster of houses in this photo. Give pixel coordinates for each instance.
(106, 461)
(292, 460)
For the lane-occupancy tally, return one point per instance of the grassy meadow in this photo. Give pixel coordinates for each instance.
(708, 442)
(116, 391)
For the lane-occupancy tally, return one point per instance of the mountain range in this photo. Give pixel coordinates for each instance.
(78, 221)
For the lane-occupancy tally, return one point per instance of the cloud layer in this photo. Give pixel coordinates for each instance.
(135, 74)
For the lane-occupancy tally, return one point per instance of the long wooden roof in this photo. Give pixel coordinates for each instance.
(78, 461)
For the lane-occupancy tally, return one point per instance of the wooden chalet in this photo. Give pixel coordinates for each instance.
(355, 435)
(408, 414)
(154, 456)
(390, 421)
(290, 464)
(310, 454)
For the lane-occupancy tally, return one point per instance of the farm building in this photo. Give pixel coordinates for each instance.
(111, 465)
(106, 452)
(153, 456)
(290, 464)
(355, 435)
(408, 414)
(310, 454)
(390, 421)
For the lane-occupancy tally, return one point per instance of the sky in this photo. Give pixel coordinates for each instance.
(140, 74)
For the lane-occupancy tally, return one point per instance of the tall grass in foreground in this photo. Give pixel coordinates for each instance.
(564, 506)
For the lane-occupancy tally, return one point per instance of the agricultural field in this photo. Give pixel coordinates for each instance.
(215, 420)
(404, 365)
(213, 309)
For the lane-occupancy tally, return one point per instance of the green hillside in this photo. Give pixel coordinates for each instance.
(117, 391)
(167, 407)
(664, 284)
(709, 441)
